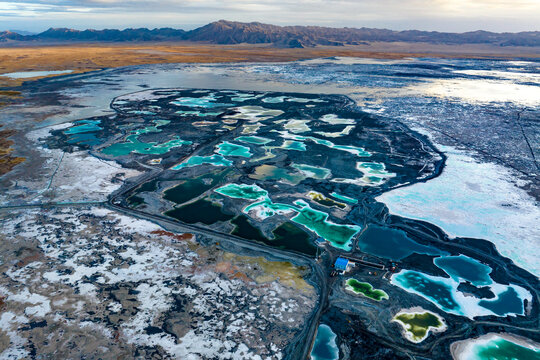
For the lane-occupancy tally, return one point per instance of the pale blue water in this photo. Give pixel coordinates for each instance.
(463, 267)
(84, 126)
(443, 293)
(391, 244)
(508, 302)
(325, 347)
(31, 74)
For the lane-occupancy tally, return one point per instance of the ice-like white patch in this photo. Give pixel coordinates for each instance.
(333, 119)
(146, 95)
(478, 200)
(510, 75)
(253, 113)
(9, 323)
(42, 305)
(346, 131)
(297, 126)
(32, 74)
(343, 60)
(494, 92)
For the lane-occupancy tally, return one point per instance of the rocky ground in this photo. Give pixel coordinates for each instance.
(91, 281)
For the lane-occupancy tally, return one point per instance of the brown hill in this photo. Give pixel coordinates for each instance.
(230, 32)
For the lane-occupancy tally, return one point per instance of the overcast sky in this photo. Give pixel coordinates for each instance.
(440, 15)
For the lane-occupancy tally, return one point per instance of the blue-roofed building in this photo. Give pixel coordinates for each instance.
(341, 264)
(320, 241)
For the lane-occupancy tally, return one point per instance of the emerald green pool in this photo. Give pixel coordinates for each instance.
(133, 144)
(88, 138)
(216, 160)
(502, 349)
(339, 236)
(286, 236)
(365, 289)
(344, 198)
(149, 186)
(243, 191)
(229, 149)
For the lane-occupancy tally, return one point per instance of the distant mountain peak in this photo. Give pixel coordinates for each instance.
(234, 32)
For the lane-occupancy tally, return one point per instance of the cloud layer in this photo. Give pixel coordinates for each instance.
(442, 15)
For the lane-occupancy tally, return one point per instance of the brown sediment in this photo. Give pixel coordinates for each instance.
(232, 271)
(10, 93)
(179, 237)
(7, 161)
(29, 259)
(241, 276)
(266, 271)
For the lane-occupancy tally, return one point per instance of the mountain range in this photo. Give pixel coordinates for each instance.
(231, 32)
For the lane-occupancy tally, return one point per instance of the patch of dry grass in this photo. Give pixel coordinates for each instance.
(86, 57)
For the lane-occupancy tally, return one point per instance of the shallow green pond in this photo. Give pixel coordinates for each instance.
(418, 324)
(339, 236)
(365, 289)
